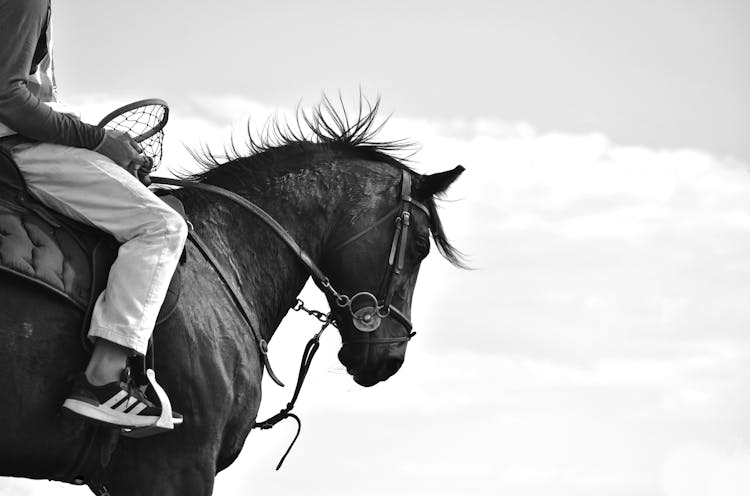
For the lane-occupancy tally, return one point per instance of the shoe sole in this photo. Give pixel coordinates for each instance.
(111, 417)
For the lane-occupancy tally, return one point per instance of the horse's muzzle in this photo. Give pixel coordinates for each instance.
(368, 368)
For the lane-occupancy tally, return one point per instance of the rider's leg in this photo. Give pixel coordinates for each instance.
(107, 362)
(92, 189)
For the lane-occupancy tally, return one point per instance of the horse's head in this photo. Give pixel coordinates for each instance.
(373, 263)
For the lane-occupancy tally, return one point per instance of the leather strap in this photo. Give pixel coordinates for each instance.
(354, 238)
(315, 271)
(310, 349)
(238, 300)
(398, 247)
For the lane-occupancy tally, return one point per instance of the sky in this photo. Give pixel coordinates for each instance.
(599, 346)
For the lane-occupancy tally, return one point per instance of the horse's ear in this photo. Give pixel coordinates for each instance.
(438, 183)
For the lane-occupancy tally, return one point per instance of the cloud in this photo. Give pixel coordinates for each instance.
(585, 237)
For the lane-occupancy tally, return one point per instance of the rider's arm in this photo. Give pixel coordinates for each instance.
(21, 22)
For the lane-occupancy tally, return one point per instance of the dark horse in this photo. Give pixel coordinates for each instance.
(325, 190)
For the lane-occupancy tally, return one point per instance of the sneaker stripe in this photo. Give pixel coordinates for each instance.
(119, 405)
(115, 399)
(136, 409)
(126, 405)
(130, 404)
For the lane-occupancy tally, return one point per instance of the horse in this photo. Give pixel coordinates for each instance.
(335, 189)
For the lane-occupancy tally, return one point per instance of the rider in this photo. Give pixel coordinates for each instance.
(89, 174)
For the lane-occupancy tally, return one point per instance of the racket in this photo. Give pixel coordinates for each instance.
(144, 121)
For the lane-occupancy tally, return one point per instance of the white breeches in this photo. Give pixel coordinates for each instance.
(92, 189)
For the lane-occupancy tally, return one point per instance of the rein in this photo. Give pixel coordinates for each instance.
(367, 318)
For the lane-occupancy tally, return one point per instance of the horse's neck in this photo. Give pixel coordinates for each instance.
(267, 272)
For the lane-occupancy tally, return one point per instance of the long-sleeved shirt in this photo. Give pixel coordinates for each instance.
(27, 83)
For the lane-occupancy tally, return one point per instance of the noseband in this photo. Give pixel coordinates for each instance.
(367, 310)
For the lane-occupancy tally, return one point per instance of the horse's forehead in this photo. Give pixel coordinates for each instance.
(373, 179)
(375, 190)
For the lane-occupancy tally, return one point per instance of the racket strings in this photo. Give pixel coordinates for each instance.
(139, 123)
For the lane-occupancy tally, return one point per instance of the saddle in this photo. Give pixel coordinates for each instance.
(63, 256)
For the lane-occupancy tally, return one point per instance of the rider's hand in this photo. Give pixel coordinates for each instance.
(142, 171)
(123, 151)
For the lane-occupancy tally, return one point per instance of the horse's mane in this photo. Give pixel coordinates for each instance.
(324, 127)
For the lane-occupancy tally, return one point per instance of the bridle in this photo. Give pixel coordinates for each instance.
(367, 310)
(365, 317)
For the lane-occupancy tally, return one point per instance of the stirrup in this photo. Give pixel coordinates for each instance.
(164, 422)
